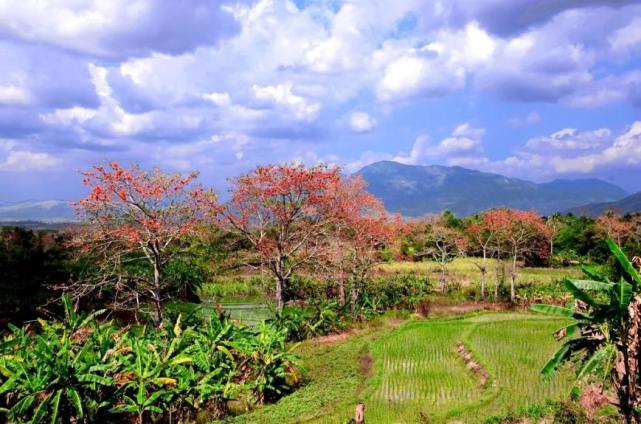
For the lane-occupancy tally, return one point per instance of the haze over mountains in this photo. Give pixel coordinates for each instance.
(50, 211)
(628, 204)
(415, 190)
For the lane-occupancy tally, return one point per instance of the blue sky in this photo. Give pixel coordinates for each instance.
(536, 89)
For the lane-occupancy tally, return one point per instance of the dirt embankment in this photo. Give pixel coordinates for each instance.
(471, 364)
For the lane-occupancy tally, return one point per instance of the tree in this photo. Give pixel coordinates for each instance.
(443, 244)
(131, 218)
(481, 235)
(611, 225)
(357, 242)
(554, 222)
(519, 231)
(31, 263)
(604, 337)
(287, 212)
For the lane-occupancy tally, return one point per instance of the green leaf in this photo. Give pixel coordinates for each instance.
(182, 359)
(226, 351)
(597, 358)
(55, 407)
(74, 399)
(40, 411)
(553, 310)
(593, 274)
(550, 367)
(92, 378)
(578, 293)
(624, 262)
(140, 398)
(7, 385)
(592, 285)
(623, 292)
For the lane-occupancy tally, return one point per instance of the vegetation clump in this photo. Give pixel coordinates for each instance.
(83, 370)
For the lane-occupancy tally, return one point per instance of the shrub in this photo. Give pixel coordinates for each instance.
(80, 369)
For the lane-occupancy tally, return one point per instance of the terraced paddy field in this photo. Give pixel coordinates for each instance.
(414, 373)
(420, 374)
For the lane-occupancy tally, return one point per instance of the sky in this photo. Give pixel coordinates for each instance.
(535, 89)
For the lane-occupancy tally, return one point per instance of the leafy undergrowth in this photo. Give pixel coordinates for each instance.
(417, 375)
(334, 373)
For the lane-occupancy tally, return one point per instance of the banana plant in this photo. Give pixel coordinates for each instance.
(604, 333)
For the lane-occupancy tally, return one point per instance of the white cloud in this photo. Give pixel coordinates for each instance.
(11, 95)
(464, 138)
(420, 150)
(415, 75)
(117, 28)
(281, 96)
(567, 151)
(361, 122)
(68, 116)
(25, 161)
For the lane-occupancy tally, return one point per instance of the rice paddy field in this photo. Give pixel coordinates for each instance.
(416, 374)
(420, 375)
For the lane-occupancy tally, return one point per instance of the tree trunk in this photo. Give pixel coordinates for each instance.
(341, 287)
(513, 279)
(157, 296)
(354, 295)
(483, 271)
(280, 284)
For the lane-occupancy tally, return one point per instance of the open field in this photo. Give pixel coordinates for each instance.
(461, 272)
(464, 271)
(416, 374)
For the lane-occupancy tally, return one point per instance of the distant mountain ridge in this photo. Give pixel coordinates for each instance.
(48, 211)
(628, 204)
(415, 190)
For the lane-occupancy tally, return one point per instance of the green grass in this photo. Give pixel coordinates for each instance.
(419, 377)
(333, 379)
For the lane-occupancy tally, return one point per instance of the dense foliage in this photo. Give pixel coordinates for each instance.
(83, 370)
(30, 262)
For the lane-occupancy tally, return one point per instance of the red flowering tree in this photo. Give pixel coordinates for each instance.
(519, 231)
(610, 225)
(287, 212)
(134, 216)
(357, 239)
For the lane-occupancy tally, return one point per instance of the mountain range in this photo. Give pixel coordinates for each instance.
(50, 211)
(416, 190)
(628, 204)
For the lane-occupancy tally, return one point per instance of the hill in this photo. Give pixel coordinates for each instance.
(628, 204)
(414, 190)
(47, 211)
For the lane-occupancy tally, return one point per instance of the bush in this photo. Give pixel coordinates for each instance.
(81, 369)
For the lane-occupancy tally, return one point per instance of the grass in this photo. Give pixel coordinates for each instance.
(333, 376)
(419, 377)
(464, 271)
